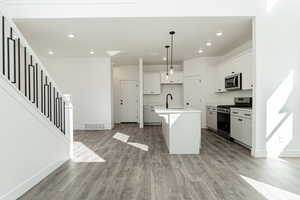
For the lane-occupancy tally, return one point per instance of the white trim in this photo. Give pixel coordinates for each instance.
(290, 153)
(20, 189)
(67, 2)
(259, 153)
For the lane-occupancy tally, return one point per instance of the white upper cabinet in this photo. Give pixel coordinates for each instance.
(175, 78)
(152, 83)
(240, 64)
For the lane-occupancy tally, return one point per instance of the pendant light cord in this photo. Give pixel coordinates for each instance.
(172, 35)
(167, 61)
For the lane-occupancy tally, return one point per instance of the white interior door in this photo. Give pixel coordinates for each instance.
(129, 101)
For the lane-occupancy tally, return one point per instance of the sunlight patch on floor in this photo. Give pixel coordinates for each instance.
(270, 192)
(140, 146)
(121, 136)
(124, 138)
(83, 154)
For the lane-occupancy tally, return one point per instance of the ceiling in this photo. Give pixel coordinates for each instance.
(135, 37)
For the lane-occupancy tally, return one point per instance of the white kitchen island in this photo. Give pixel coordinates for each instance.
(181, 129)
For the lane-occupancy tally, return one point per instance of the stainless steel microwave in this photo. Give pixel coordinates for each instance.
(233, 82)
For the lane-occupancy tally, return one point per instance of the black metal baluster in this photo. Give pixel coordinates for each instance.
(8, 59)
(15, 63)
(37, 84)
(64, 108)
(44, 95)
(50, 100)
(30, 66)
(25, 71)
(58, 110)
(42, 91)
(19, 64)
(61, 114)
(3, 45)
(29, 83)
(54, 106)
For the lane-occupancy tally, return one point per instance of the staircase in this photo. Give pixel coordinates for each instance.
(35, 116)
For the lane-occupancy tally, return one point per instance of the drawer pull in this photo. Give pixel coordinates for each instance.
(235, 112)
(247, 114)
(240, 120)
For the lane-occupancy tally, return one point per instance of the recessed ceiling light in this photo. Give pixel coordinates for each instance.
(220, 33)
(208, 44)
(200, 51)
(71, 35)
(92, 52)
(164, 58)
(50, 52)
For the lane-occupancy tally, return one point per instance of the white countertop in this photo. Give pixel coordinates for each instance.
(163, 110)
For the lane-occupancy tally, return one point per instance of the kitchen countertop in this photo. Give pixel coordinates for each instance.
(163, 110)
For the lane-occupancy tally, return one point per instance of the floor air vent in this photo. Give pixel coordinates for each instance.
(94, 127)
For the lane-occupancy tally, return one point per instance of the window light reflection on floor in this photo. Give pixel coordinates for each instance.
(83, 154)
(270, 192)
(124, 138)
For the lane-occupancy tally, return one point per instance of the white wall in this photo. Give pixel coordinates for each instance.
(31, 147)
(277, 95)
(175, 90)
(122, 73)
(89, 81)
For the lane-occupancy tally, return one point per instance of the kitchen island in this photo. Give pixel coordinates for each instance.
(181, 129)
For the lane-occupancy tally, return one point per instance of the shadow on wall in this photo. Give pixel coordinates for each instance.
(280, 117)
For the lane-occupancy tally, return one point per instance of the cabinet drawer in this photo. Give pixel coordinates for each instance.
(245, 113)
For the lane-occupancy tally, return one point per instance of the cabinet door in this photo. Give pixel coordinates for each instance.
(220, 78)
(209, 114)
(214, 120)
(176, 77)
(243, 64)
(246, 137)
(246, 70)
(152, 83)
(235, 128)
(163, 78)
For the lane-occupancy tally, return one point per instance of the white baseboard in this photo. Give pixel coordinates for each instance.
(22, 188)
(291, 154)
(259, 153)
(262, 153)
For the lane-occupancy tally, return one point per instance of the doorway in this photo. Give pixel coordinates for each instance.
(129, 101)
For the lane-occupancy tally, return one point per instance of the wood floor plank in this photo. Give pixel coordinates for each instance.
(133, 173)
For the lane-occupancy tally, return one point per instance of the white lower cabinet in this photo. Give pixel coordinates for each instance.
(241, 126)
(211, 118)
(150, 117)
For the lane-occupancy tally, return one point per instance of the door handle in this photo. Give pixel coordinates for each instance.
(187, 103)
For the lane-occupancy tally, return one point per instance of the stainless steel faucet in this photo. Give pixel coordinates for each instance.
(167, 100)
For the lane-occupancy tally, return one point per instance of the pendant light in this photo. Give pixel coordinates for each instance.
(172, 39)
(167, 61)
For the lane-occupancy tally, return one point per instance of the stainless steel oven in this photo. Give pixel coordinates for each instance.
(223, 120)
(233, 82)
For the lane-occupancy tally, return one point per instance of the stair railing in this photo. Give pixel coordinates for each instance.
(22, 68)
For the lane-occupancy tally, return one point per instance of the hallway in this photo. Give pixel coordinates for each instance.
(127, 171)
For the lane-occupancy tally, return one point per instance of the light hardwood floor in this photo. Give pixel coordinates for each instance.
(223, 170)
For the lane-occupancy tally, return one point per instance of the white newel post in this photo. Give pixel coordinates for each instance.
(69, 121)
